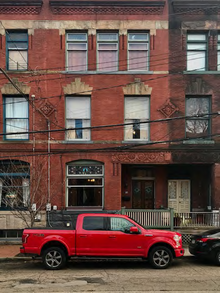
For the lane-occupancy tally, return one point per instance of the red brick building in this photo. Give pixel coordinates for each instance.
(82, 85)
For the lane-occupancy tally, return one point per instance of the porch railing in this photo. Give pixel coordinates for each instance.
(161, 219)
(167, 219)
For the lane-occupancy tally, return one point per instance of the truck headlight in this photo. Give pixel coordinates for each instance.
(177, 239)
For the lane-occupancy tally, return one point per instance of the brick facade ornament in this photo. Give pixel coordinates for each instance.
(20, 6)
(149, 157)
(68, 7)
(9, 89)
(198, 87)
(137, 88)
(77, 87)
(196, 157)
(47, 109)
(168, 109)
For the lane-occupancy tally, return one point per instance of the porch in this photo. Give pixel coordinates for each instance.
(185, 223)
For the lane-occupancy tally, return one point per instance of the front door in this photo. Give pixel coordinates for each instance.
(142, 194)
(179, 195)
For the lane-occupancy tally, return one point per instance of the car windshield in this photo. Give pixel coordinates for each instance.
(211, 232)
(145, 227)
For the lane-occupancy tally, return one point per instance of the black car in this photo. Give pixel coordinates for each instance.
(206, 245)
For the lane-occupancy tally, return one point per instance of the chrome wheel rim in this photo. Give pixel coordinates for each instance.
(218, 257)
(53, 259)
(161, 258)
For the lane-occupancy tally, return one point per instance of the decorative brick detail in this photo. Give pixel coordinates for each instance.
(20, 10)
(9, 89)
(47, 108)
(150, 157)
(196, 7)
(137, 88)
(168, 109)
(108, 10)
(77, 87)
(196, 157)
(198, 86)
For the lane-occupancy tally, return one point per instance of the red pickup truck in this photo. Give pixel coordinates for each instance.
(102, 235)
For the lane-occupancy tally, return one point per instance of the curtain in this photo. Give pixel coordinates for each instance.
(77, 57)
(17, 60)
(26, 191)
(107, 57)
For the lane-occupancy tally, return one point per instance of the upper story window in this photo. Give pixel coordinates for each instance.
(107, 52)
(78, 118)
(16, 118)
(17, 50)
(136, 113)
(138, 51)
(76, 44)
(197, 50)
(218, 59)
(198, 127)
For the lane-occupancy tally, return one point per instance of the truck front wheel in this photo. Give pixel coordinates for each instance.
(160, 257)
(54, 258)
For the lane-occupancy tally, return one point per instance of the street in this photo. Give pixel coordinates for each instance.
(185, 275)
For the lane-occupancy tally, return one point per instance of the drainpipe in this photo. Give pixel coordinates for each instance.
(48, 151)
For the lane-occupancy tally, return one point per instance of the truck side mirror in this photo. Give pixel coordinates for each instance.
(134, 230)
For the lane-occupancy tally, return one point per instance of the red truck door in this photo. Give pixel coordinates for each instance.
(92, 236)
(121, 242)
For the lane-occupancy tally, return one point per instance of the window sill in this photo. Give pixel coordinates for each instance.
(114, 72)
(198, 141)
(141, 141)
(77, 141)
(201, 72)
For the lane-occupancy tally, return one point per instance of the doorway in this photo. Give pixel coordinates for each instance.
(142, 194)
(179, 195)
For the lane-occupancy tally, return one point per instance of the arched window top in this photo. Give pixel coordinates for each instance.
(14, 167)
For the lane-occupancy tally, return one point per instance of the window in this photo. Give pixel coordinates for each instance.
(197, 52)
(76, 44)
(85, 184)
(16, 118)
(94, 223)
(218, 59)
(136, 113)
(17, 50)
(78, 118)
(107, 51)
(138, 48)
(120, 224)
(14, 184)
(197, 126)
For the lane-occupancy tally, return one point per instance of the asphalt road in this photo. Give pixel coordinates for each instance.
(185, 275)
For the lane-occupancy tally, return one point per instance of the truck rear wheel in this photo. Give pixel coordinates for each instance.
(160, 257)
(54, 258)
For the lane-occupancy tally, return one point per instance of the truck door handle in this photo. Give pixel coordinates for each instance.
(83, 236)
(113, 236)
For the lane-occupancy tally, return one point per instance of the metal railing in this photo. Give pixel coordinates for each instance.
(167, 219)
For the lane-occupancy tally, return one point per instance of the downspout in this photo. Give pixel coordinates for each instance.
(48, 151)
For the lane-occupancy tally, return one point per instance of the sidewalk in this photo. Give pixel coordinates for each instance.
(12, 251)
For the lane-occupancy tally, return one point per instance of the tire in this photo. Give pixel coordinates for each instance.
(54, 258)
(160, 257)
(217, 258)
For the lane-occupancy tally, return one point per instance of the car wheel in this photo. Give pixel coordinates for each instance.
(160, 257)
(217, 258)
(54, 258)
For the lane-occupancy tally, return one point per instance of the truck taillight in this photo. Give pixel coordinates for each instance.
(24, 238)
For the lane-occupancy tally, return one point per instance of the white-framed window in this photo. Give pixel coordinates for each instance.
(17, 50)
(138, 51)
(137, 111)
(78, 118)
(85, 184)
(197, 52)
(218, 57)
(16, 118)
(107, 52)
(198, 126)
(77, 47)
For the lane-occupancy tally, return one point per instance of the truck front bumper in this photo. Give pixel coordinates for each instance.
(179, 252)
